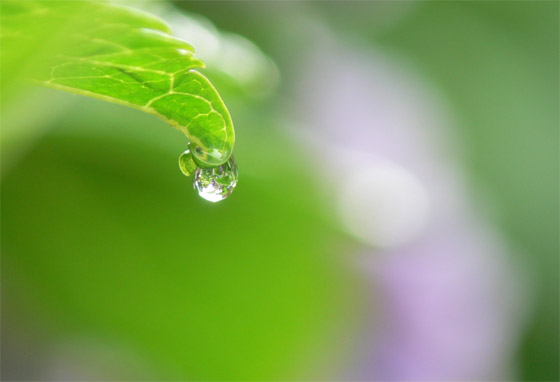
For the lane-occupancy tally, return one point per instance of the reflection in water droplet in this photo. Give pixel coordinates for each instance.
(217, 183)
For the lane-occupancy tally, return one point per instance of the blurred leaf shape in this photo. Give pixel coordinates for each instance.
(120, 55)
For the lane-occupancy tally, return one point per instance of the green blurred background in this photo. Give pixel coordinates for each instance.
(114, 269)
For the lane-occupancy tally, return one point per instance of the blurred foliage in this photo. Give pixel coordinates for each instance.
(498, 64)
(103, 237)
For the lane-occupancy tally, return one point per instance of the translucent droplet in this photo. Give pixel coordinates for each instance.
(187, 164)
(205, 157)
(216, 183)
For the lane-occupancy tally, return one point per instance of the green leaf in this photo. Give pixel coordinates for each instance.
(120, 55)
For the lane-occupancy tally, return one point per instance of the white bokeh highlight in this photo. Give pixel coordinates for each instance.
(383, 204)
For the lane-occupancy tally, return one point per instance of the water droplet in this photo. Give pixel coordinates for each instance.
(217, 183)
(205, 157)
(187, 164)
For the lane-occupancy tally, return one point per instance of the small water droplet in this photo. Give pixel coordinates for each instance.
(217, 183)
(187, 164)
